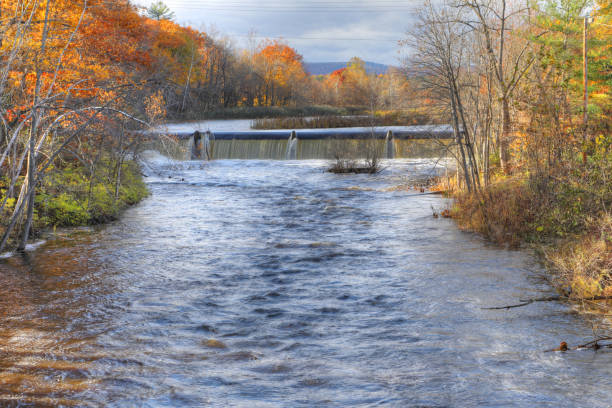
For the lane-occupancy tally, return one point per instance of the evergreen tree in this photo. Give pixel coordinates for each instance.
(159, 11)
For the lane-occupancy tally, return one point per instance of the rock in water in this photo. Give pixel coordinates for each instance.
(212, 343)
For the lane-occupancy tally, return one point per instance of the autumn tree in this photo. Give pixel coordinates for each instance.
(61, 82)
(356, 84)
(281, 70)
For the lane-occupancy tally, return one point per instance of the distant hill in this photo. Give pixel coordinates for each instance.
(324, 68)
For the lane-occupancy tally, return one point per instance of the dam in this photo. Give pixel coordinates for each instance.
(305, 144)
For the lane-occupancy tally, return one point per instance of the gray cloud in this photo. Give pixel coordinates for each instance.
(333, 30)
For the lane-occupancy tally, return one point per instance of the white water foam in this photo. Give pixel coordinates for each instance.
(29, 248)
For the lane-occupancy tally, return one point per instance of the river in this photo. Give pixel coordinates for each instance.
(261, 283)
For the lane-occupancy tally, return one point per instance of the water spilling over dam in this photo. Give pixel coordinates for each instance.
(304, 144)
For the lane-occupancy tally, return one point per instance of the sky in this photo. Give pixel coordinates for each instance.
(322, 31)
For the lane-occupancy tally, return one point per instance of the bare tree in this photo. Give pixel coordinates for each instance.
(440, 41)
(494, 20)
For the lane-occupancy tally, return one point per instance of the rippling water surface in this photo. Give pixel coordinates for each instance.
(275, 284)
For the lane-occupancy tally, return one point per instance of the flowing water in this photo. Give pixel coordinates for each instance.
(276, 284)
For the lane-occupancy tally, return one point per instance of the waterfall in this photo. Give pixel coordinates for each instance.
(250, 149)
(304, 144)
(212, 145)
(389, 145)
(291, 153)
(207, 145)
(305, 149)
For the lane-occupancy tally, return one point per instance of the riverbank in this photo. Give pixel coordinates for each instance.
(565, 217)
(70, 195)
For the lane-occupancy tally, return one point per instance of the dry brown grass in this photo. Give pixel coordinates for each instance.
(584, 264)
(322, 122)
(443, 184)
(504, 213)
(577, 245)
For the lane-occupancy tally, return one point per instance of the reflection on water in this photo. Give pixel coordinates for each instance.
(273, 283)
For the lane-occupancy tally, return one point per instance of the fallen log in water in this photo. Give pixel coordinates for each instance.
(593, 345)
(525, 302)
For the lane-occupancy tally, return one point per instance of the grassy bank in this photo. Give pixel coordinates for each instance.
(566, 217)
(338, 121)
(71, 196)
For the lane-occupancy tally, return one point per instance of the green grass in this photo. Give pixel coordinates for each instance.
(69, 196)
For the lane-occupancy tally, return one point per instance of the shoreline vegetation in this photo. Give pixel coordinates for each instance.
(357, 119)
(565, 220)
(527, 92)
(71, 196)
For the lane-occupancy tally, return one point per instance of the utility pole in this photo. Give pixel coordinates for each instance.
(585, 77)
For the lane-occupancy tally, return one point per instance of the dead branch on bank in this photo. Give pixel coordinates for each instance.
(592, 345)
(525, 302)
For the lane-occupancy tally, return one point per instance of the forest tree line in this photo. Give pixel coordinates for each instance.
(527, 87)
(78, 79)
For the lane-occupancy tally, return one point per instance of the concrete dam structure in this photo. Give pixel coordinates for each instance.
(303, 144)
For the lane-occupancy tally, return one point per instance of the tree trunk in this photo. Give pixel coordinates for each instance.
(469, 147)
(504, 140)
(9, 228)
(459, 142)
(31, 193)
(485, 158)
(185, 92)
(31, 175)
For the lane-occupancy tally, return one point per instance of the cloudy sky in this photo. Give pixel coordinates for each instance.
(322, 31)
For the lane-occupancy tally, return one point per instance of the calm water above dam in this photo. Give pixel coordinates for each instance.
(275, 284)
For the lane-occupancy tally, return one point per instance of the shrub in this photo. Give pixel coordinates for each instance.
(584, 264)
(63, 210)
(323, 122)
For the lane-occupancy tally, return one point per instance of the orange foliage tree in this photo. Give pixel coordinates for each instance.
(69, 70)
(281, 70)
